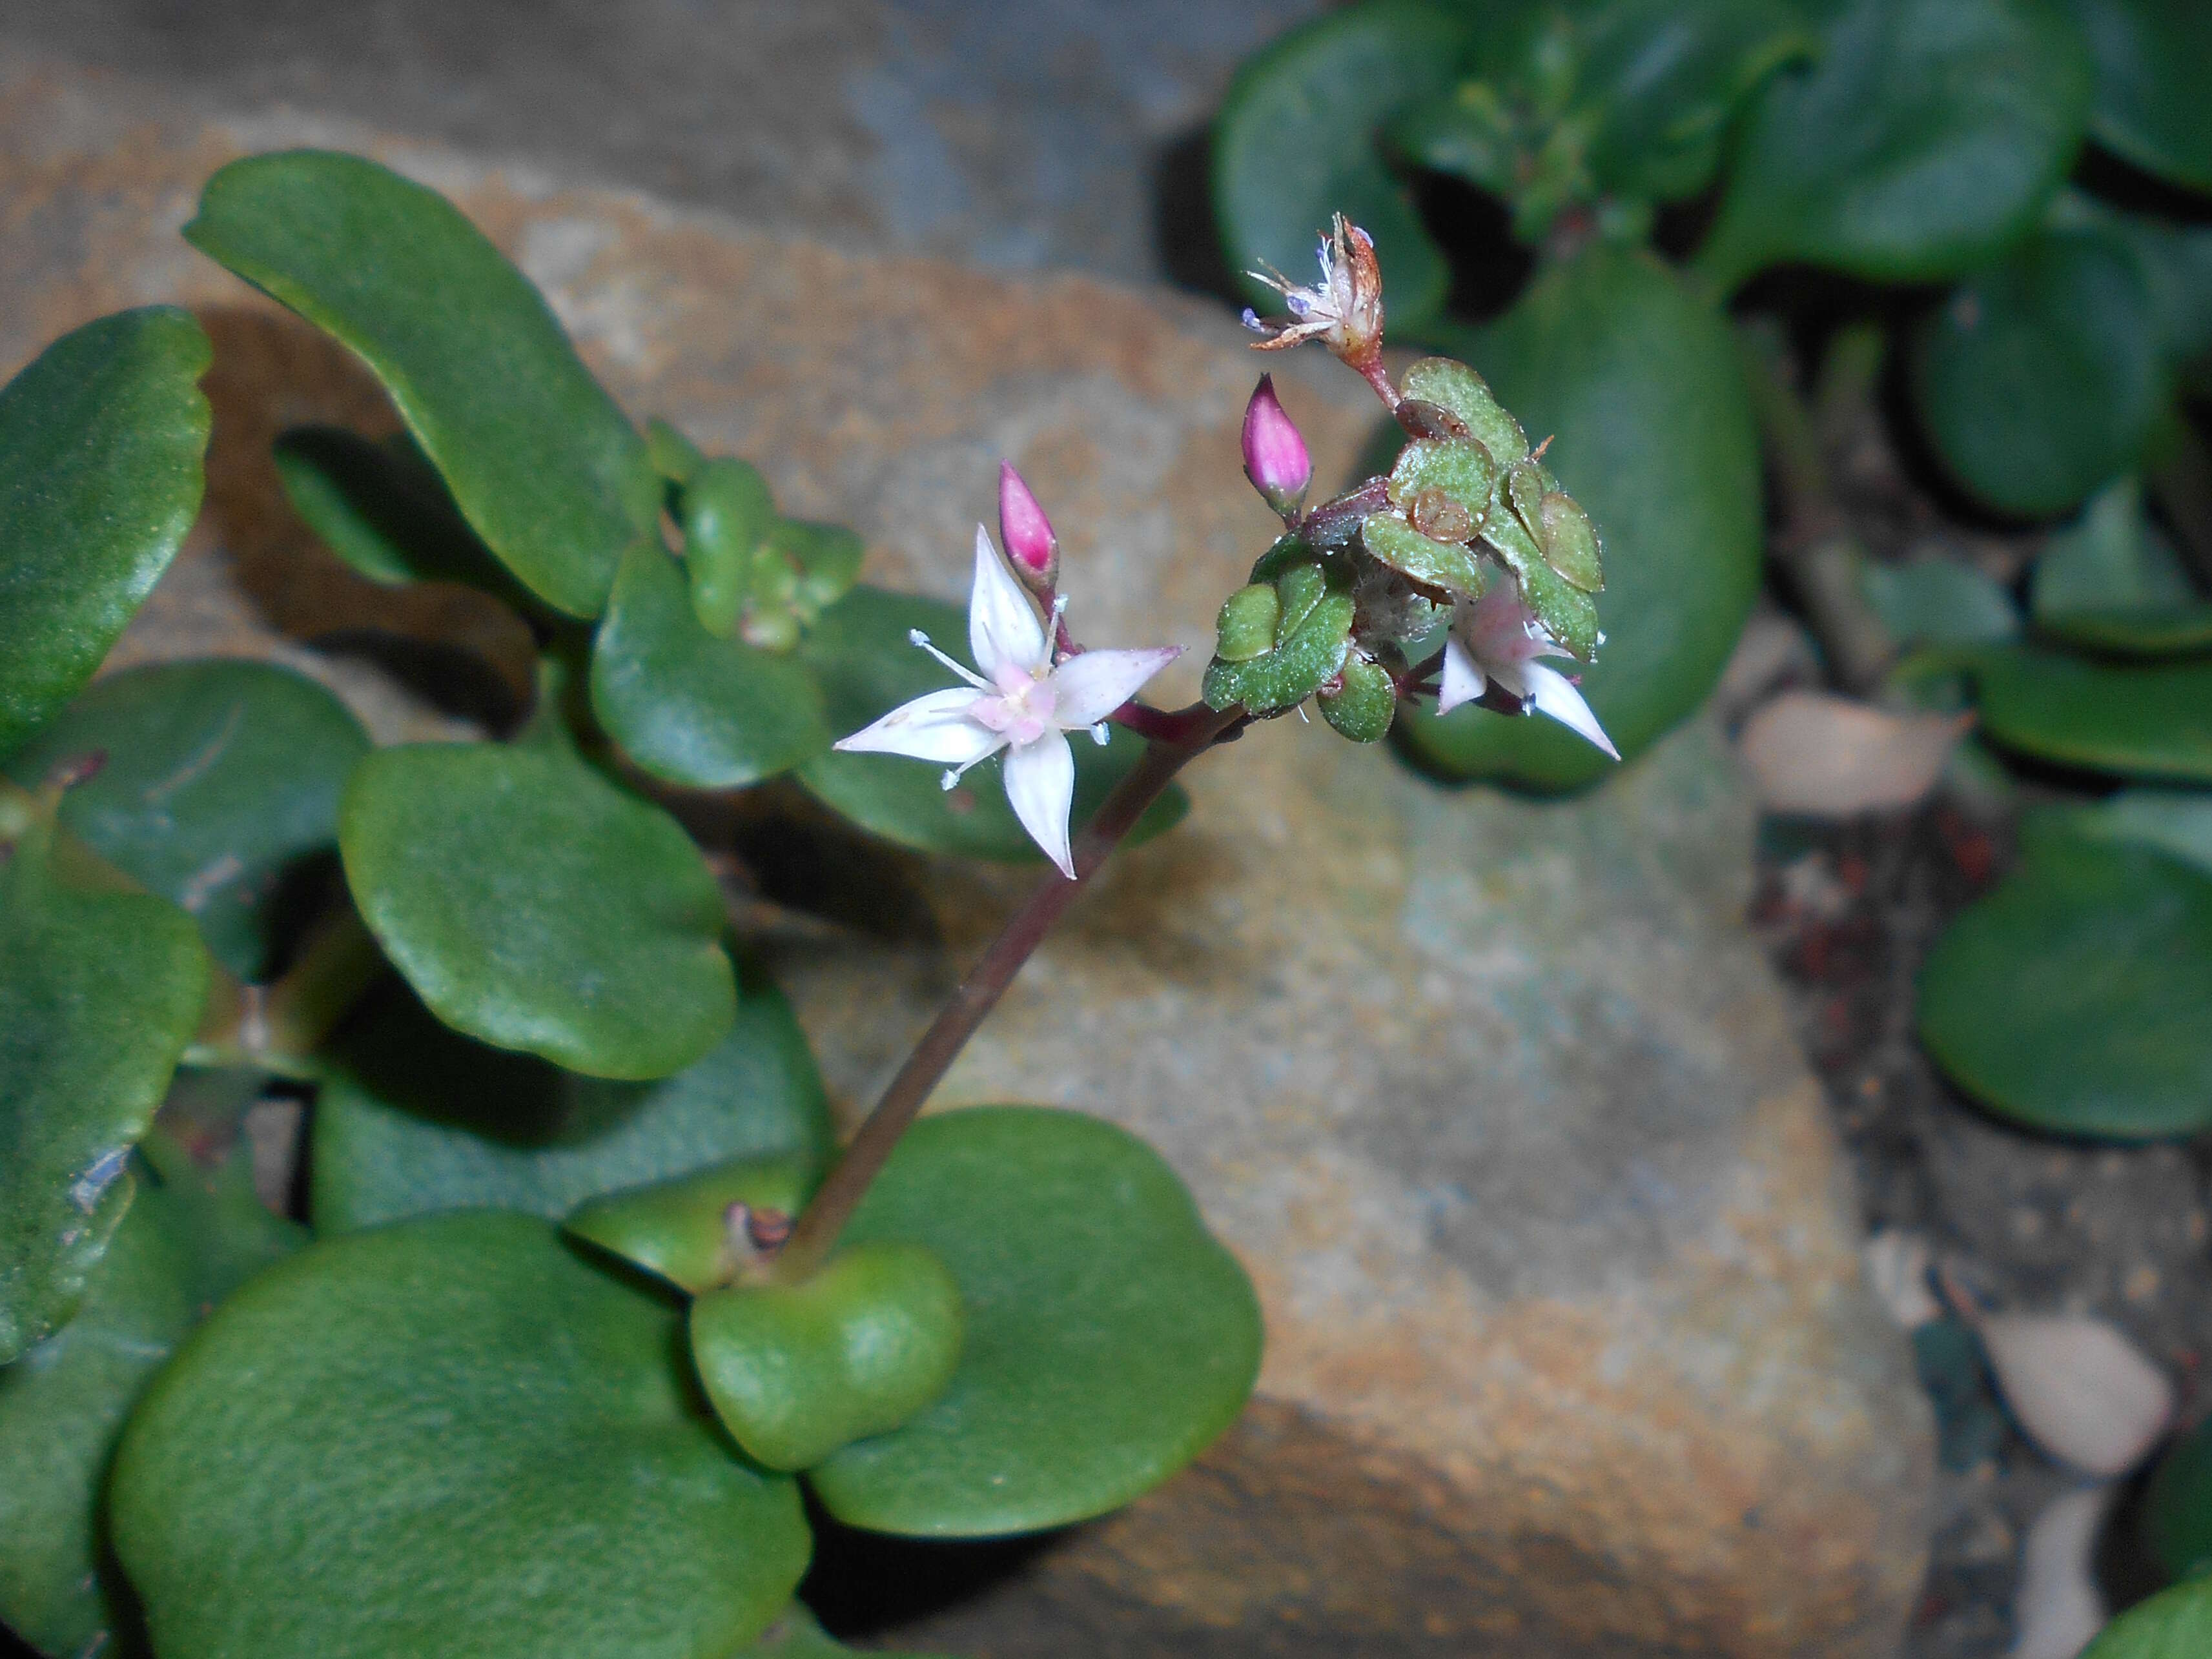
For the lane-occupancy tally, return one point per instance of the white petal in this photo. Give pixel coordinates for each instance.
(1462, 681)
(1040, 787)
(1002, 624)
(934, 727)
(1085, 689)
(1554, 694)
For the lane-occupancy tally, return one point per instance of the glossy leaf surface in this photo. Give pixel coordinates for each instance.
(796, 1372)
(695, 709)
(99, 992)
(681, 1229)
(2148, 719)
(1111, 1338)
(1297, 141)
(2176, 1624)
(191, 1237)
(1640, 381)
(541, 460)
(2072, 997)
(488, 1448)
(1923, 138)
(221, 780)
(534, 905)
(100, 446)
(2041, 377)
(416, 1118)
(2154, 83)
(2110, 581)
(868, 667)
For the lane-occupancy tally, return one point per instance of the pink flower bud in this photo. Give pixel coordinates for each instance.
(1031, 548)
(1275, 457)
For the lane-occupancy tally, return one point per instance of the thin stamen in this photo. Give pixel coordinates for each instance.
(915, 636)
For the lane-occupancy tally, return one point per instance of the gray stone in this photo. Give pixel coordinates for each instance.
(1567, 1351)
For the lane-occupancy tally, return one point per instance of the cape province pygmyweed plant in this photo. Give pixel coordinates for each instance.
(590, 1286)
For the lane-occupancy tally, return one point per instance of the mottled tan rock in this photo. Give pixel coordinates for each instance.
(1567, 1351)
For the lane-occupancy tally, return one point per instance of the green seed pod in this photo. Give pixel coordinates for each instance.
(1246, 627)
(724, 511)
(1361, 706)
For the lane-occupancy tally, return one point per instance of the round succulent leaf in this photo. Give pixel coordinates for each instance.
(2152, 719)
(541, 460)
(674, 456)
(2042, 376)
(824, 560)
(1296, 142)
(1444, 565)
(192, 1235)
(2175, 1623)
(2178, 1508)
(1246, 627)
(381, 508)
(1925, 137)
(2176, 821)
(690, 708)
(723, 509)
(1455, 387)
(488, 1447)
(534, 905)
(680, 1228)
(1305, 658)
(1640, 380)
(795, 1371)
(100, 447)
(2154, 83)
(1940, 601)
(1569, 541)
(2071, 997)
(2112, 582)
(1111, 1338)
(1460, 467)
(416, 1118)
(1361, 708)
(866, 666)
(99, 992)
(220, 791)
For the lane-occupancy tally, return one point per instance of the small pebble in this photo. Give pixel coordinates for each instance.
(2079, 1388)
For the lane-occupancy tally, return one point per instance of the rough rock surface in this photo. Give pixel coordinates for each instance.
(1496, 1099)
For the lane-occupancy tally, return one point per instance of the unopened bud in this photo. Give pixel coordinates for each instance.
(1032, 550)
(1275, 457)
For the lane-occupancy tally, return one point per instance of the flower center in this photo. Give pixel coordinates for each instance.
(1021, 707)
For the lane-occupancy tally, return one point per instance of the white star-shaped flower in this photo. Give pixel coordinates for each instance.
(1022, 703)
(1496, 638)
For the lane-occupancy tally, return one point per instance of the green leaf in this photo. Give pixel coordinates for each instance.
(687, 707)
(725, 509)
(2174, 1625)
(1446, 566)
(857, 1348)
(2042, 376)
(2072, 997)
(2154, 83)
(1569, 613)
(2152, 719)
(1638, 379)
(99, 992)
(2110, 581)
(1455, 387)
(416, 1118)
(382, 507)
(1940, 601)
(488, 1446)
(1362, 707)
(191, 1237)
(538, 456)
(2176, 821)
(1923, 140)
(2178, 1508)
(867, 667)
(101, 442)
(680, 1228)
(1313, 635)
(1109, 1337)
(222, 783)
(1296, 142)
(536, 906)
